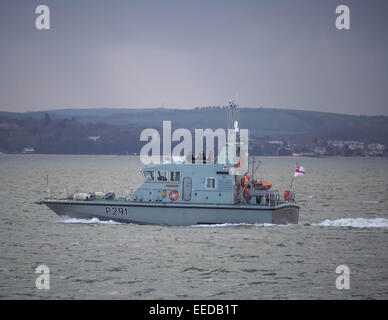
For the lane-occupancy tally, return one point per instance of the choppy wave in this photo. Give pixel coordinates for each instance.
(355, 223)
(92, 220)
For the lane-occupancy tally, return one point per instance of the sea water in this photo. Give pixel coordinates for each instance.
(343, 221)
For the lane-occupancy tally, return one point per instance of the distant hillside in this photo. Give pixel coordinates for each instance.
(49, 131)
(260, 121)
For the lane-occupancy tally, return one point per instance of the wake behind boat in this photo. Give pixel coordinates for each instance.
(188, 192)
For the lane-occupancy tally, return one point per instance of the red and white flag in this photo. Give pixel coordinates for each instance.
(299, 171)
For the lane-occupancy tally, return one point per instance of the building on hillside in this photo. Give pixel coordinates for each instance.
(28, 150)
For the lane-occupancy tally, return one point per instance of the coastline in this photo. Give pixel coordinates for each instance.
(132, 155)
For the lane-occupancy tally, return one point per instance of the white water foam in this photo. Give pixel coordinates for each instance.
(355, 223)
(92, 220)
(214, 225)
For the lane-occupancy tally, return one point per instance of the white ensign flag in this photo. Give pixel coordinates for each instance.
(299, 171)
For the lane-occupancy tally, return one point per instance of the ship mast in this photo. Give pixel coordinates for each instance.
(233, 116)
(234, 142)
(233, 123)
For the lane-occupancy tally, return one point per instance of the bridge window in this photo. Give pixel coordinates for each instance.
(161, 175)
(175, 176)
(149, 176)
(210, 183)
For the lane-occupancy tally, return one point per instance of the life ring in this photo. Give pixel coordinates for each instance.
(286, 195)
(174, 195)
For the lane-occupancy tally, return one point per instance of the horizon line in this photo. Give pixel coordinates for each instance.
(185, 109)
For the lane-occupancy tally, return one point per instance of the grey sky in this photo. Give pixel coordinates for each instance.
(285, 54)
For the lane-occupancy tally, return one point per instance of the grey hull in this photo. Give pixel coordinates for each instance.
(174, 214)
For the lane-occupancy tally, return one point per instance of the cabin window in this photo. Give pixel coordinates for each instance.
(175, 176)
(161, 175)
(149, 176)
(210, 183)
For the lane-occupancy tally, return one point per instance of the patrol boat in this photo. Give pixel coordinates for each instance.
(190, 192)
